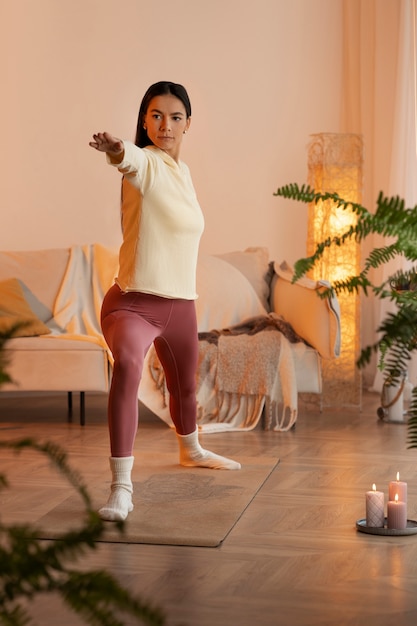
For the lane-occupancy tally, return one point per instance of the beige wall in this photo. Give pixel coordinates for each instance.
(262, 76)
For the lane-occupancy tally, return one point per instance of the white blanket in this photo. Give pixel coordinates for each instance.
(90, 273)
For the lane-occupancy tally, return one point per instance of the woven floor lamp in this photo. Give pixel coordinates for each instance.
(335, 165)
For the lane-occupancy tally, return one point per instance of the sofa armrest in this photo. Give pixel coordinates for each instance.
(315, 319)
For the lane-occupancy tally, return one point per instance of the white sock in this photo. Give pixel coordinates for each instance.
(119, 504)
(193, 455)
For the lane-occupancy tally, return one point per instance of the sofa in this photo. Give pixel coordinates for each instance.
(253, 322)
(56, 295)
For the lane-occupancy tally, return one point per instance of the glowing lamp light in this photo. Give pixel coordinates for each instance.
(335, 165)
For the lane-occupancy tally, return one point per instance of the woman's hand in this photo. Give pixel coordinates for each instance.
(104, 142)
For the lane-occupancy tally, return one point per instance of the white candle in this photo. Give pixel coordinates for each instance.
(397, 487)
(397, 514)
(374, 508)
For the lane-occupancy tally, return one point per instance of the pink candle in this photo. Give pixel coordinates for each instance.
(397, 514)
(374, 508)
(397, 487)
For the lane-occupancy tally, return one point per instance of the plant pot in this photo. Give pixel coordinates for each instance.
(392, 402)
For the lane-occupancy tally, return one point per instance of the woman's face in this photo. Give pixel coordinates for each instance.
(166, 122)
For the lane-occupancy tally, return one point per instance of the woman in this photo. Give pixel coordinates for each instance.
(152, 300)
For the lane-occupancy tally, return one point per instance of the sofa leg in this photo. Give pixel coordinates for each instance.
(69, 406)
(82, 408)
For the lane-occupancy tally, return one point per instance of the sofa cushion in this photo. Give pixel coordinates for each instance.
(41, 273)
(15, 310)
(316, 319)
(225, 296)
(254, 264)
(56, 363)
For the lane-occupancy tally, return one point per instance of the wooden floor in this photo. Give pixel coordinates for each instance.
(294, 558)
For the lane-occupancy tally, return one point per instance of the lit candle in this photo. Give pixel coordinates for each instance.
(397, 487)
(397, 514)
(374, 508)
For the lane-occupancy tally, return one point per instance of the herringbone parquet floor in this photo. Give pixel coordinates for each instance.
(294, 558)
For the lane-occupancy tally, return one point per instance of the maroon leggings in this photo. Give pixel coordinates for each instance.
(131, 322)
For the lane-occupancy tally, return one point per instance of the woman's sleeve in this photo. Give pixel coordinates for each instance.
(134, 165)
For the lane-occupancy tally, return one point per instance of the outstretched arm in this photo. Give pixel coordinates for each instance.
(129, 159)
(104, 142)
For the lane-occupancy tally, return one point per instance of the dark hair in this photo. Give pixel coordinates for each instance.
(162, 88)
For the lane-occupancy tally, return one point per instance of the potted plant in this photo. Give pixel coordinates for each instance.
(29, 566)
(397, 339)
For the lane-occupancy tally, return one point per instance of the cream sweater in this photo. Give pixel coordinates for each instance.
(162, 224)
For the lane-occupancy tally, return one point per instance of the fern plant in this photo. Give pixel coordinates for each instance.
(397, 338)
(29, 566)
(5, 335)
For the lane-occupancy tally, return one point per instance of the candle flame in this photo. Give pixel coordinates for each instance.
(396, 497)
(374, 487)
(398, 475)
